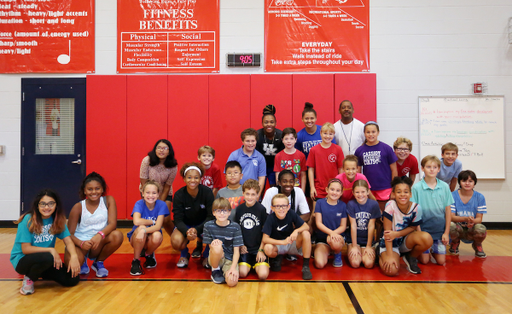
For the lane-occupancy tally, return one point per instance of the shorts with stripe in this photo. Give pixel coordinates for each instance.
(249, 259)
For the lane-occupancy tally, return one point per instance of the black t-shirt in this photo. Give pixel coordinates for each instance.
(269, 148)
(279, 229)
(192, 212)
(251, 220)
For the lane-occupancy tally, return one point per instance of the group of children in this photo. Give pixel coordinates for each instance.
(377, 212)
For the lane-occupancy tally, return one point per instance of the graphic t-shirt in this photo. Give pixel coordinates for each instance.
(45, 239)
(363, 214)
(306, 141)
(295, 162)
(410, 166)
(251, 220)
(376, 161)
(212, 177)
(326, 162)
(475, 205)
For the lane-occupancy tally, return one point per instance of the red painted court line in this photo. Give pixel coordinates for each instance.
(493, 269)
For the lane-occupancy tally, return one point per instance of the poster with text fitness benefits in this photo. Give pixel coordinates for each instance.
(51, 36)
(317, 35)
(167, 36)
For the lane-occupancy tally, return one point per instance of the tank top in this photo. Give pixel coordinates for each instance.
(89, 223)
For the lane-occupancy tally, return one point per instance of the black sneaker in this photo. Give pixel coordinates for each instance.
(218, 276)
(291, 258)
(306, 273)
(136, 268)
(196, 253)
(412, 264)
(150, 261)
(275, 263)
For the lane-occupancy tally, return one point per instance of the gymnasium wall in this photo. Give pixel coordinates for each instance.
(416, 48)
(126, 115)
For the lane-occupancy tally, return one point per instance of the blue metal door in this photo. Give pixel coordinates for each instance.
(52, 138)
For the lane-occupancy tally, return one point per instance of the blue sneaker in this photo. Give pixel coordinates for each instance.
(338, 262)
(100, 270)
(84, 269)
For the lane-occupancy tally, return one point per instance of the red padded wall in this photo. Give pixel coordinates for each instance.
(361, 90)
(146, 123)
(317, 89)
(126, 115)
(106, 134)
(271, 89)
(229, 107)
(187, 117)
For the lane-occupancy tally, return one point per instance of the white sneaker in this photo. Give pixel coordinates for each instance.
(27, 287)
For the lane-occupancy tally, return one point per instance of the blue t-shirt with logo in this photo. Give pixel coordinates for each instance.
(306, 141)
(140, 207)
(45, 239)
(331, 215)
(476, 205)
(363, 214)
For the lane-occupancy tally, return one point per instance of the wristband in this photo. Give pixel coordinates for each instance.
(101, 234)
(261, 250)
(81, 244)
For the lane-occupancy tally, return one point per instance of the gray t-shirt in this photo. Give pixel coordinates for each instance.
(230, 235)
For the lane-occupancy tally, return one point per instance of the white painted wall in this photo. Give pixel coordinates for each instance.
(425, 48)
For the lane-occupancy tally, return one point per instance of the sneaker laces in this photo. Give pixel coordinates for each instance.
(29, 281)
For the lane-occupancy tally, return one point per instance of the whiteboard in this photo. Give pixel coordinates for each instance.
(474, 123)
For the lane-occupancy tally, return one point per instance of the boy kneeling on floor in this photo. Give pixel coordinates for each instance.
(225, 240)
(285, 232)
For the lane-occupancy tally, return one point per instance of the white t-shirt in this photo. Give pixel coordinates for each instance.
(349, 136)
(301, 204)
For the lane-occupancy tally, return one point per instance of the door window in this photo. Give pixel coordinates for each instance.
(55, 126)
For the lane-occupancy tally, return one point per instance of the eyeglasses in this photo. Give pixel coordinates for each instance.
(49, 204)
(280, 206)
(233, 174)
(222, 211)
(402, 149)
(164, 148)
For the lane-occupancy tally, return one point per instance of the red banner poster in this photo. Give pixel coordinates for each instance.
(54, 36)
(317, 35)
(167, 36)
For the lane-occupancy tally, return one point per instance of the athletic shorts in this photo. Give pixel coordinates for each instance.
(402, 248)
(382, 195)
(323, 239)
(437, 248)
(289, 249)
(224, 264)
(250, 260)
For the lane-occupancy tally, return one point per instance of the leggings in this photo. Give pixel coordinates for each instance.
(40, 265)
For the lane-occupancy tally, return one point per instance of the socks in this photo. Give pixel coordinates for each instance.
(216, 268)
(184, 253)
(206, 252)
(305, 262)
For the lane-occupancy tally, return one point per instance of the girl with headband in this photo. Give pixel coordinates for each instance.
(192, 209)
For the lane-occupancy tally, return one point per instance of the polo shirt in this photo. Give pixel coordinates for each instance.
(253, 166)
(433, 203)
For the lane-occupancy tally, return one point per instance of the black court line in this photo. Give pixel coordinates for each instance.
(353, 298)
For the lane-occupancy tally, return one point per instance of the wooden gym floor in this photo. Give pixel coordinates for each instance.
(145, 295)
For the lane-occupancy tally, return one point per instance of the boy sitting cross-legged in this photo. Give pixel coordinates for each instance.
(225, 240)
(285, 232)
